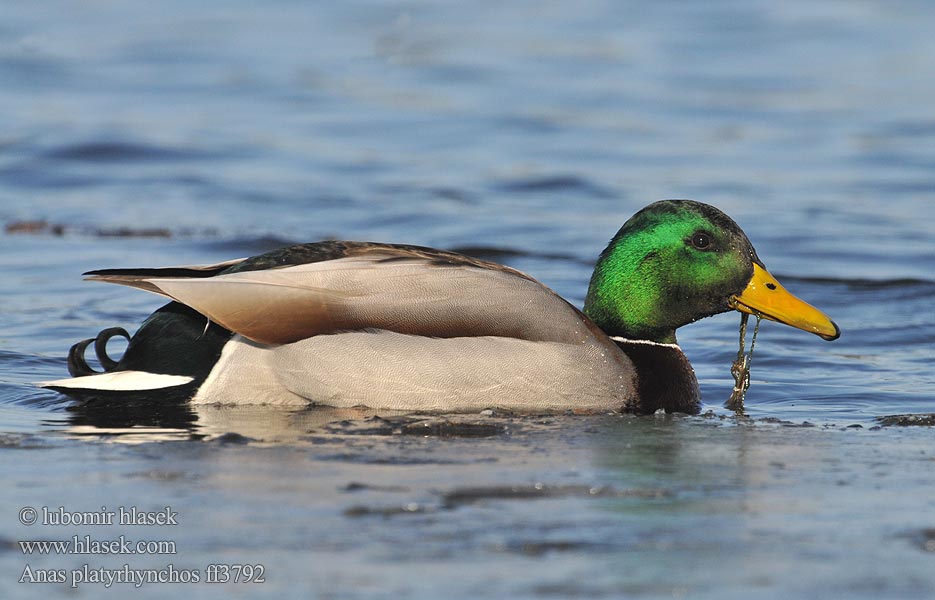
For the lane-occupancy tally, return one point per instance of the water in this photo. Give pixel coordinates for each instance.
(182, 134)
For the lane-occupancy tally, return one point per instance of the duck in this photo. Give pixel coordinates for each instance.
(411, 328)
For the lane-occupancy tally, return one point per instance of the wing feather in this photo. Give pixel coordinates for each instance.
(396, 289)
(139, 278)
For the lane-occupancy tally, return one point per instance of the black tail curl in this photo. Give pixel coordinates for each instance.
(78, 365)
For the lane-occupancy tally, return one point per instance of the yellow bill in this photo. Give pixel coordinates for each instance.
(764, 296)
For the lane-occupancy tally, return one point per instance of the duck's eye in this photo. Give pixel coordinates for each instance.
(701, 241)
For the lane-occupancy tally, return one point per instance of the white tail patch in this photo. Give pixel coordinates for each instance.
(120, 381)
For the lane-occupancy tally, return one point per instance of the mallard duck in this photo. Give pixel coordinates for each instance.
(413, 328)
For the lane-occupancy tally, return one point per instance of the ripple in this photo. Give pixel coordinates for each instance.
(119, 151)
(555, 183)
(861, 283)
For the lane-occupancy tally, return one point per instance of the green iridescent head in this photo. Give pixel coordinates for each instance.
(672, 263)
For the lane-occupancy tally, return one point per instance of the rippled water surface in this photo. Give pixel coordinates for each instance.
(175, 133)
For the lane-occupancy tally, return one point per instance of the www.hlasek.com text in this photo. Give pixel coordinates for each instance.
(88, 545)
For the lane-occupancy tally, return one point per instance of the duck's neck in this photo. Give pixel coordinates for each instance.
(664, 377)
